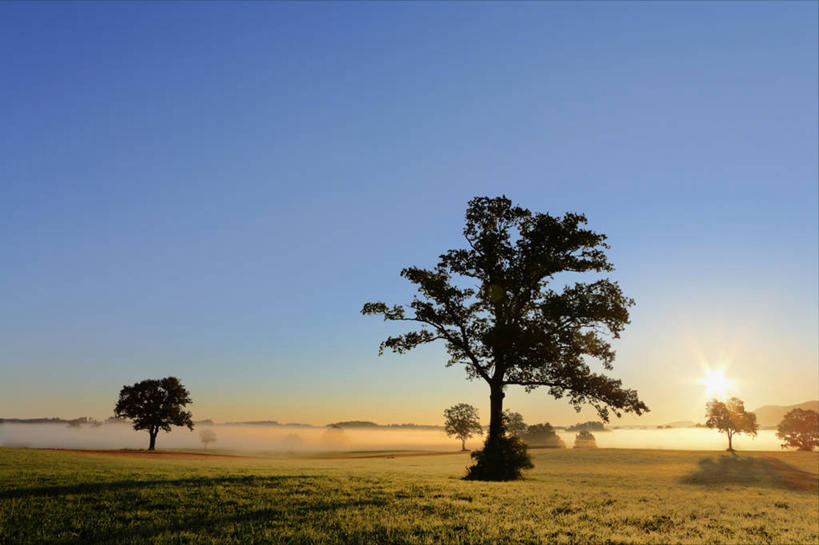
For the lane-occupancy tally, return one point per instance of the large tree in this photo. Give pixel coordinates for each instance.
(730, 418)
(799, 429)
(493, 305)
(155, 405)
(461, 421)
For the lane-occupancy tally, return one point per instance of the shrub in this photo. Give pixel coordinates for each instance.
(500, 460)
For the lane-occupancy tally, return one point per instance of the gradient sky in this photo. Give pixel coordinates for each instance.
(212, 190)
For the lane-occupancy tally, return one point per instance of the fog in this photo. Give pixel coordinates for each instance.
(283, 439)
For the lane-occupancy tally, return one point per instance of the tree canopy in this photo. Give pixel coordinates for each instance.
(543, 435)
(155, 405)
(730, 418)
(513, 423)
(207, 436)
(585, 439)
(462, 421)
(799, 429)
(493, 305)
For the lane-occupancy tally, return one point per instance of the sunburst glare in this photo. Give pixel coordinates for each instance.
(716, 385)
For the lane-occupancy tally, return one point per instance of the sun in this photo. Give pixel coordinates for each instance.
(716, 385)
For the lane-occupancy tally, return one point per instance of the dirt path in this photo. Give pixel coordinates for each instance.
(194, 456)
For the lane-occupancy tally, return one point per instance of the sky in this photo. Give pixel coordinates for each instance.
(213, 190)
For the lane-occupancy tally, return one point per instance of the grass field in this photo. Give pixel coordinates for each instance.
(590, 496)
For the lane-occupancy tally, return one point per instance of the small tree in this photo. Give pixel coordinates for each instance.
(585, 439)
(461, 421)
(155, 405)
(799, 429)
(513, 423)
(730, 418)
(207, 436)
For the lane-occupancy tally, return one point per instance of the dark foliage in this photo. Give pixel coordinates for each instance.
(501, 459)
(591, 425)
(513, 423)
(799, 429)
(585, 439)
(542, 435)
(155, 405)
(492, 305)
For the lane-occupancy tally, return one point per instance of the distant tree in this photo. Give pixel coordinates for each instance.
(509, 327)
(591, 425)
(333, 436)
(543, 435)
(799, 429)
(207, 436)
(461, 421)
(584, 439)
(730, 418)
(354, 424)
(291, 442)
(155, 405)
(513, 423)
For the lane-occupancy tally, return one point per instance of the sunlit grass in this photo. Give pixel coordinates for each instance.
(593, 496)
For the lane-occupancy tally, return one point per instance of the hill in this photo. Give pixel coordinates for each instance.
(771, 415)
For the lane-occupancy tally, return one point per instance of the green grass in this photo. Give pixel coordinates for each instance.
(589, 496)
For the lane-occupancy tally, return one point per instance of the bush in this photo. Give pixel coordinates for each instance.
(585, 439)
(500, 460)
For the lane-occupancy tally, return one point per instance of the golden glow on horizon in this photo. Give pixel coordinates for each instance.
(716, 385)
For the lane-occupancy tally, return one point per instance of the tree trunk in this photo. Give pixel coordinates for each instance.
(496, 396)
(463, 443)
(730, 446)
(152, 444)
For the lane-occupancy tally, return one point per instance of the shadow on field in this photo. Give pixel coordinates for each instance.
(209, 522)
(95, 488)
(764, 472)
(175, 517)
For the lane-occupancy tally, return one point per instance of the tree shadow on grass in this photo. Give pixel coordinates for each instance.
(201, 519)
(207, 525)
(762, 472)
(95, 488)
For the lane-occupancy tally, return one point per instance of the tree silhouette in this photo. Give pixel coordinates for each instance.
(461, 421)
(207, 436)
(730, 418)
(799, 429)
(542, 435)
(492, 305)
(585, 439)
(155, 405)
(513, 423)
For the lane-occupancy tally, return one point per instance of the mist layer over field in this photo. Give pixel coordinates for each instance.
(299, 439)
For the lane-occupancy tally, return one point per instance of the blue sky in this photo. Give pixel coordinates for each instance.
(212, 190)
